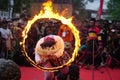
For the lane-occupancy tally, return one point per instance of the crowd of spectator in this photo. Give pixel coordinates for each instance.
(11, 35)
(109, 42)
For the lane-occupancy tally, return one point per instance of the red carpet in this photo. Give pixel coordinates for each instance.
(31, 73)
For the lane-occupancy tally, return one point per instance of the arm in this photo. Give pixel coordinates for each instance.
(59, 53)
(41, 60)
(37, 58)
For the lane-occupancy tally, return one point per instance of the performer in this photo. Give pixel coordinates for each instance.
(49, 52)
(68, 38)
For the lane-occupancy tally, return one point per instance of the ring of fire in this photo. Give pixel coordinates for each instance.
(48, 13)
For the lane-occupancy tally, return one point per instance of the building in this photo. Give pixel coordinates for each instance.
(94, 14)
(59, 5)
(4, 14)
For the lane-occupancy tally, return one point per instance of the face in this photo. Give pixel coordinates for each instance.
(44, 56)
(85, 23)
(4, 26)
(97, 24)
(119, 23)
(92, 23)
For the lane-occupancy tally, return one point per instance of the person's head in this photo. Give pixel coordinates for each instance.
(97, 23)
(118, 23)
(50, 45)
(61, 76)
(85, 23)
(48, 42)
(4, 24)
(92, 22)
(9, 70)
(50, 23)
(67, 45)
(66, 25)
(0, 36)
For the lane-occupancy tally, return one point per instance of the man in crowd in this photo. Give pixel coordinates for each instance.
(66, 34)
(9, 70)
(6, 35)
(94, 45)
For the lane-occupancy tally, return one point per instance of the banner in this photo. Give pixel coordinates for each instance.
(100, 9)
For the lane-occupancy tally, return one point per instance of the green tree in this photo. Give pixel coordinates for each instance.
(114, 9)
(17, 6)
(20, 4)
(79, 9)
(4, 4)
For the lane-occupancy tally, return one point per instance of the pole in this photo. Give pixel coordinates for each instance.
(11, 8)
(93, 62)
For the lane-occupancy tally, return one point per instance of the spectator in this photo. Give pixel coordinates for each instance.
(93, 45)
(6, 39)
(9, 70)
(66, 34)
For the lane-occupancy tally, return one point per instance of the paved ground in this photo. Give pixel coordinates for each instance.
(31, 73)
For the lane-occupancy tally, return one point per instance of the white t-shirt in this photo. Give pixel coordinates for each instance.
(5, 33)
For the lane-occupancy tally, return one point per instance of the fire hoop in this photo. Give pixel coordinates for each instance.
(48, 13)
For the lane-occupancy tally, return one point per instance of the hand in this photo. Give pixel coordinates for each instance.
(52, 57)
(41, 63)
(38, 62)
(100, 48)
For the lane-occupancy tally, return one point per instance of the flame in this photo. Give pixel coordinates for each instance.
(48, 12)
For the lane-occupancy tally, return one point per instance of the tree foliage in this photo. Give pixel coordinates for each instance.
(114, 9)
(19, 4)
(17, 7)
(4, 5)
(78, 6)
